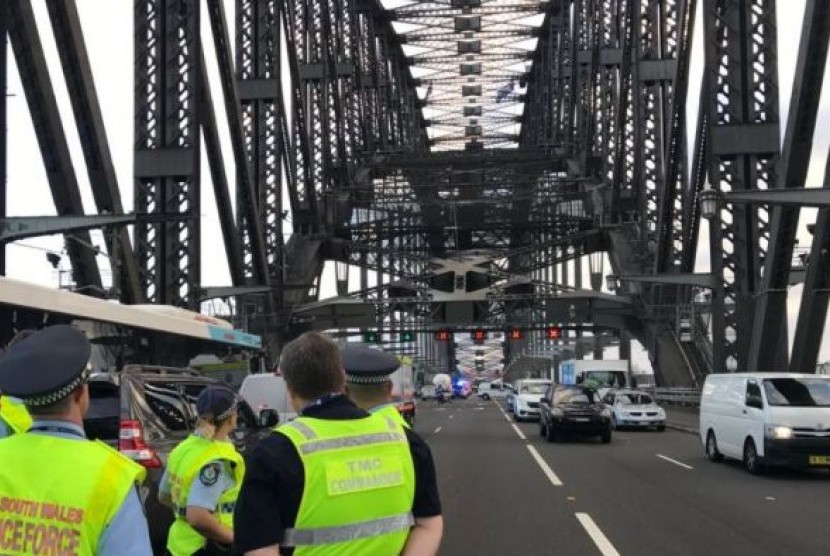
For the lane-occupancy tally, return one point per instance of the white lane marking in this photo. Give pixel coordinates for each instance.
(674, 461)
(545, 467)
(518, 431)
(602, 542)
(452, 415)
(436, 431)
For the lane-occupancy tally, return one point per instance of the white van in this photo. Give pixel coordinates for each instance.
(267, 391)
(493, 390)
(766, 419)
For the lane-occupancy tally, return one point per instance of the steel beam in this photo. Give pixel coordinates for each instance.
(21, 227)
(168, 147)
(741, 66)
(77, 71)
(43, 107)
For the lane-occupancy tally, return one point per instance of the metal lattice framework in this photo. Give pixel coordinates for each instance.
(480, 149)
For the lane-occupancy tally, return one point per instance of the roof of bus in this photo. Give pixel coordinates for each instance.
(159, 318)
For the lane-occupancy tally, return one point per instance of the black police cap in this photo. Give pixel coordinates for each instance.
(47, 366)
(364, 365)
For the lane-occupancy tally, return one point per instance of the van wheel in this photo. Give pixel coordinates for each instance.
(712, 453)
(485, 397)
(751, 460)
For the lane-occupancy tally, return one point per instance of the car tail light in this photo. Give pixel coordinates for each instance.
(131, 444)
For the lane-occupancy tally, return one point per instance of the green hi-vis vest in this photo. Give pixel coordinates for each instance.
(392, 412)
(57, 495)
(15, 415)
(183, 466)
(359, 487)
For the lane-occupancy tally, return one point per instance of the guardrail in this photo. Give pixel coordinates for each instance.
(677, 396)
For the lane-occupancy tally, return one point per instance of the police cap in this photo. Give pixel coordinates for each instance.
(47, 366)
(364, 365)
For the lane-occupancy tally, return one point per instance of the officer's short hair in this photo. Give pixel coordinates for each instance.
(311, 366)
(58, 408)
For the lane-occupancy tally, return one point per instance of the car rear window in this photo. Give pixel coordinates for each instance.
(102, 418)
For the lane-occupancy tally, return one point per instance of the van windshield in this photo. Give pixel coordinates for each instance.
(534, 388)
(798, 392)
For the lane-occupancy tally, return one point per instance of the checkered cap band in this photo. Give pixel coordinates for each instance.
(370, 379)
(57, 395)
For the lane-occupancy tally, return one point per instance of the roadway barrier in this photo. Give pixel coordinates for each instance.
(677, 396)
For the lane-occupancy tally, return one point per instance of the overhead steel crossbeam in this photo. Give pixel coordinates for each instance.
(470, 58)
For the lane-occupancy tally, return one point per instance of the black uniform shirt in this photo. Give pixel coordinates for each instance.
(274, 480)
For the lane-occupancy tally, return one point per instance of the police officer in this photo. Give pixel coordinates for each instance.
(203, 477)
(336, 480)
(62, 493)
(367, 380)
(14, 417)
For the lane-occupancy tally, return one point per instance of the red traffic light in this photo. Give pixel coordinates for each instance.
(515, 334)
(443, 335)
(479, 335)
(554, 333)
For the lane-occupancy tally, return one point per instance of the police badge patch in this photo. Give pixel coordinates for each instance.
(210, 474)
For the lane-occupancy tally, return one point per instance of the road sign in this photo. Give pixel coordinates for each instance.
(407, 337)
(553, 333)
(515, 334)
(443, 336)
(371, 337)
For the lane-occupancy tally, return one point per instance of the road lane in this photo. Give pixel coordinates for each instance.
(497, 500)
(648, 506)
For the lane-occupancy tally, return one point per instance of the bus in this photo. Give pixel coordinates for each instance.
(132, 334)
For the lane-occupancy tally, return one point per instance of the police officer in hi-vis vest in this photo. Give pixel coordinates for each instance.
(61, 493)
(202, 479)
(14, 417)
(336, 480)
(367, 380)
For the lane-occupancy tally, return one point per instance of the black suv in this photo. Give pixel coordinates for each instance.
(573, 409)
(145, 411)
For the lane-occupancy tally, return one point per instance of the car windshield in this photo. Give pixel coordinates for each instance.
(634, 399)
(798, 392)
(533, 389)
(574, 396)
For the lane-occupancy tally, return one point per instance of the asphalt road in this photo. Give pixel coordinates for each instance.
(647, 493)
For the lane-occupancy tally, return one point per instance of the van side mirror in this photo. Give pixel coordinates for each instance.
(754, 400)
(268, 418)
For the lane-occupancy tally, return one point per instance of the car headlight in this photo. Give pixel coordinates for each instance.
(606, 412)
(557, 412)
(779, 432)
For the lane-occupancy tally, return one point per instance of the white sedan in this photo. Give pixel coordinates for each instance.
(632, 408)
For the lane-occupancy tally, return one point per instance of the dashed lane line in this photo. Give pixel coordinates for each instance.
(518, 431)
(545, 467)
(674, 461)
(596, 534)
(436, 431)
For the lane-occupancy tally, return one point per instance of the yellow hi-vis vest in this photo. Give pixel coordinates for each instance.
(15, 415)
(359, 487)
(392, 412)
(183, 467)
(57, 495)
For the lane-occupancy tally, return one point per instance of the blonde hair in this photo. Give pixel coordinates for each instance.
(206, 426)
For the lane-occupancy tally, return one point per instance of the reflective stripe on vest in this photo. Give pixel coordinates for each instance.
(354, 531)
(15, 415)
(183, 467)
(358, 490)
(62, 503)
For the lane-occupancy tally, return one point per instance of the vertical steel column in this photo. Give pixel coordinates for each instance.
(741, 66)
(168, 148)
(769, 333)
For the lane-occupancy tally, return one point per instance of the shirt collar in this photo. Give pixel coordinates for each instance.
(51, 424)
(377, 408)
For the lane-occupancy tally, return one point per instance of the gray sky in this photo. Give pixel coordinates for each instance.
(110, 49)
